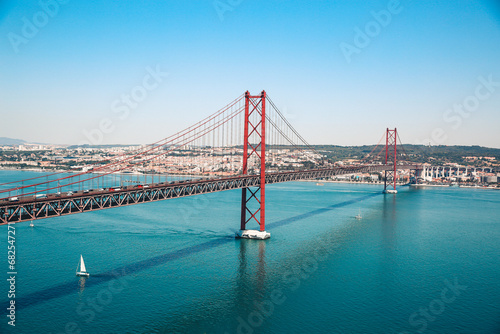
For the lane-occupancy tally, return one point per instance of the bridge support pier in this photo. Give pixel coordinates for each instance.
(419, 173)
(253, 201)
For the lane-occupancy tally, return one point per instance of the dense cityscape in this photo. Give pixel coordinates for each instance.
(208, 161)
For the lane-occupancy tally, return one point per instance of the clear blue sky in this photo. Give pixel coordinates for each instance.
(63, 80)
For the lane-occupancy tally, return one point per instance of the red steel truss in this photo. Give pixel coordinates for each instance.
(391, 157)
(29, 208)
(254, 144)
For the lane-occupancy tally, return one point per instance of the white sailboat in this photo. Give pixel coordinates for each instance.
(358, 216)
(83, 271)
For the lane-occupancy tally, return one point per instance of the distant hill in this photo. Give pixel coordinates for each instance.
(11, 141)
(416, 153)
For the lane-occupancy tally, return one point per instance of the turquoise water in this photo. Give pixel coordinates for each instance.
(422, 261)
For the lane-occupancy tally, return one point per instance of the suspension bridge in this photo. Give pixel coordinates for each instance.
(245, 145)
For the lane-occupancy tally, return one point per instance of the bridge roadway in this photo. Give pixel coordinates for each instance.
(29, 208)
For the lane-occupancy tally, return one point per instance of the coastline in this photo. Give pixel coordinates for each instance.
(420, 185)
(343, 181)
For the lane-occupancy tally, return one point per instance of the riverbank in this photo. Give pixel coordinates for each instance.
(344, 181)
(457, 186)
(378, 183)
(403, 184)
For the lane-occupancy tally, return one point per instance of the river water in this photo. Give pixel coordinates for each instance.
(422, 261)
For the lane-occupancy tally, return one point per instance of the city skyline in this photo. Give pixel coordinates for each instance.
(340, 72)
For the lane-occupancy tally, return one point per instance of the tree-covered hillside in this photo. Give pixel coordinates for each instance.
(418, 153)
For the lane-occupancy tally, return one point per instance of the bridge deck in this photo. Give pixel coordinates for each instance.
(29, 208)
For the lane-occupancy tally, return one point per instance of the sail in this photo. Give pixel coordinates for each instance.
(82, 265)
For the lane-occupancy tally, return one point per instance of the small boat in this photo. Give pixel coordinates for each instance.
(31, 224)
(320, 184)
(358, 216)
(83, 272)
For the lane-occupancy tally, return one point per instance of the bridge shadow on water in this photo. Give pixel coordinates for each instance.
(69, 288)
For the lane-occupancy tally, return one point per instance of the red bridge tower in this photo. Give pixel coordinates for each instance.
(253, 201)
(391, 158)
